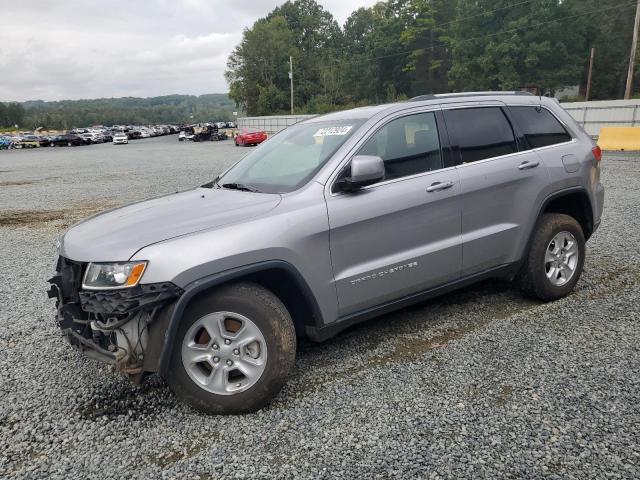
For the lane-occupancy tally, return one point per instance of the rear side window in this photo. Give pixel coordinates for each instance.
(480, 133)
(408, 146)
(539, 126)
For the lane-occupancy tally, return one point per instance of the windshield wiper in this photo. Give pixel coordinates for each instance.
(239, 186)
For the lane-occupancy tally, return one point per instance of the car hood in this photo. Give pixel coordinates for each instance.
(115, 235)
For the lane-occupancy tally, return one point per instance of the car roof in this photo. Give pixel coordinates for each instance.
(436, 99)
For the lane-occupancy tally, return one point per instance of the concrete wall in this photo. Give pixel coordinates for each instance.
(607, 113)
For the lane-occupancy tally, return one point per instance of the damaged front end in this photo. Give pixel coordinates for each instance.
(123, 327)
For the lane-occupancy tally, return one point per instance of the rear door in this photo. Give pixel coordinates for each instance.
(402, 235)
(501, 185)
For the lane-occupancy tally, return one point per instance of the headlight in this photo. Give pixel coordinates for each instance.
(104, 276)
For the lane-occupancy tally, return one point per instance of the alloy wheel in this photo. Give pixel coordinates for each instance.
(224, 353)
(561, 258)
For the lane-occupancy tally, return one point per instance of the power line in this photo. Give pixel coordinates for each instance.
(490, 35)
(506, 7)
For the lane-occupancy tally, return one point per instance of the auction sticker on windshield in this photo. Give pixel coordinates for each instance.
(325, 132)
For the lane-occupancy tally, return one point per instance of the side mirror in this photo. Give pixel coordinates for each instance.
(365, 170)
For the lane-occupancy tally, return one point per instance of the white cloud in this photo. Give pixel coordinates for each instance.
(90, 49)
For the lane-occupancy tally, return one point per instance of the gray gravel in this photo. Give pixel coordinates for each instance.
(480, 383)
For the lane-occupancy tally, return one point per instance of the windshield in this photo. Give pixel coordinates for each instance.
(289, 159)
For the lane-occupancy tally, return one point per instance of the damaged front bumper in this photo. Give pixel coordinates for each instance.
(121, 327)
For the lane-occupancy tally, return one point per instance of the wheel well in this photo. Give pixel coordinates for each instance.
(283, 285)
(575, 205)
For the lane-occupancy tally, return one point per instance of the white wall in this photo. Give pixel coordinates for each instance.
(607, 113)
(591, 115)
(271, 124)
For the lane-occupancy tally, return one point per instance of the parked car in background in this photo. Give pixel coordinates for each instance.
(120, 138)
(250, 136)
(86, 138)
(68, 140)
(187, 133)
(231, 125)
(6, 142)
(107, 136)
(44, 141)
(28, 141)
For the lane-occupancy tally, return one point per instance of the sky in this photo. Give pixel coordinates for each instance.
(72, 49)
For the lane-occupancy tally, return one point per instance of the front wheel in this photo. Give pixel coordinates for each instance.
(233, 350)
(555, 259)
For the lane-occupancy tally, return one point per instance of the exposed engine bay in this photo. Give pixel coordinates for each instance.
(112, 326)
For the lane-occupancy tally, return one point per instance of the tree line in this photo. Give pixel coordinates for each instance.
(67, 114)
(402, 48)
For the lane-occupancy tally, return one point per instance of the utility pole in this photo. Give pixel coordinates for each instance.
(291, 75)
(632, 59)
(593, 51)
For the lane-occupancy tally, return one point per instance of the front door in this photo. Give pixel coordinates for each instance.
(402, 235)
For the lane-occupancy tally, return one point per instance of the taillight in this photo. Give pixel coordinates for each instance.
(597, 153)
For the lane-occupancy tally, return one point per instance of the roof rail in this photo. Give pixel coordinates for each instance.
(436, 96)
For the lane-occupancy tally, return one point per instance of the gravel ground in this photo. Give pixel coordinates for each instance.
(480, 383)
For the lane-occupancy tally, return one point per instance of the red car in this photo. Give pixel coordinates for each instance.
(250, 136)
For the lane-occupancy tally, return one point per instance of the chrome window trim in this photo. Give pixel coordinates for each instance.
(396, 180)
(546, 147)
(491, 159)
(515, 154)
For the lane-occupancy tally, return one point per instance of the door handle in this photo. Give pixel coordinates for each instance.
(528, 165)
(436, 187)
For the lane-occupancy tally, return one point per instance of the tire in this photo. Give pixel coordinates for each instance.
(538, 277)
(265, 311)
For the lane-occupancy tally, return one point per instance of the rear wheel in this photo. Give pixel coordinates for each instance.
(555, 259)
(233, 350)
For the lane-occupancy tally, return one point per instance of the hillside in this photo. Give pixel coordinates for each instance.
(126, 110)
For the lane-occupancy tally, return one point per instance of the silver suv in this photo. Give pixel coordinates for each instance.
(332, 221)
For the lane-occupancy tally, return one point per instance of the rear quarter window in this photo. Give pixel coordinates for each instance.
(539, 126)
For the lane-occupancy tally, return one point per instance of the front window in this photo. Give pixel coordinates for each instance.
(407, 145)
(288, 160)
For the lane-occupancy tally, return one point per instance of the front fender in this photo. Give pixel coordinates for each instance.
(173, 315)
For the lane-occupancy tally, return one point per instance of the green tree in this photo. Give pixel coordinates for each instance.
(609, 29)
(258, 67)
(4, 121)
(498, 47)
(15, 114)
(427, 26)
